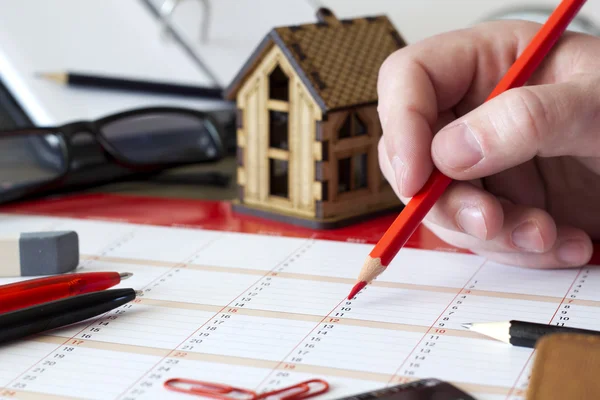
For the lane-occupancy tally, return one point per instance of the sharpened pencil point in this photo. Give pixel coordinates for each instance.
(52, 76)
(357, 288)
(125, 275)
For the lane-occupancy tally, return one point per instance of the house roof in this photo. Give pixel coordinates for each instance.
(338, 60)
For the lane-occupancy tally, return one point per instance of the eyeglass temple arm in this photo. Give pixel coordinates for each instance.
(168, 6)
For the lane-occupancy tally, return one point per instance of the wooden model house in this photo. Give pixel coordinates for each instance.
(308, 126)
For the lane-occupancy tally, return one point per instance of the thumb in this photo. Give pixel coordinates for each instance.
(560, 119)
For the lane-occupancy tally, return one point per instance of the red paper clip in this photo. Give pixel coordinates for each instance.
(298, 391)
(208, 389)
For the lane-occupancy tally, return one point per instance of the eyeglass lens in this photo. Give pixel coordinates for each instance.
(30, 160)
(162, 138)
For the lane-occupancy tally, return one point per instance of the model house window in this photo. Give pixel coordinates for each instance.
(278, 129)
(352, 173)
(278, 119)
(352, 126)
(359, 171)
(278, 185)
(279, 85)
(344, 174)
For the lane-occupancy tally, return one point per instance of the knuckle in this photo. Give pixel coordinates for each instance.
(381, 147)
(386, 167)
(386, 145)
(386, 73)
(390, 63)
(381, 112)
(528, 118)
(381, 144)
(391, 71)
(386, 80)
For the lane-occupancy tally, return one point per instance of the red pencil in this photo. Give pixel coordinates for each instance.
(31, 292)
(417, 208)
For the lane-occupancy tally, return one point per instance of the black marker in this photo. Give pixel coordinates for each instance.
(55, 314)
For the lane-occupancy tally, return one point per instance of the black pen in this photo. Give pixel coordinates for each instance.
(55, 314)
(133, 85)
(521, 333)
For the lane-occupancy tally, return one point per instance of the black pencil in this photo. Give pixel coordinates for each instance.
(520, 333)
(133, 85)
(55, 314)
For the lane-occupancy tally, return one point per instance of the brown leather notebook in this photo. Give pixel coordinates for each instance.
(566, 367)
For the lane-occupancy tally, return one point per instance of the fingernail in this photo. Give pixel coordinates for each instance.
(471, 221)
(527, 237)
(399, 171)
(572, 252)
(457, 147)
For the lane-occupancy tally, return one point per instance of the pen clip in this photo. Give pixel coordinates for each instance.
(298, 391)
(209, 389)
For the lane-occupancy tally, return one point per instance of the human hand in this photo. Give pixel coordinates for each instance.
(526, 164)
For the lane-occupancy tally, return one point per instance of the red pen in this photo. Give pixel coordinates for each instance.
(31, 292)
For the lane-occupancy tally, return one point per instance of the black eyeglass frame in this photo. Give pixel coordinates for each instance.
(67, 132)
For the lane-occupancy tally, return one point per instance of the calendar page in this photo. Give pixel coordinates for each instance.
(263, 312)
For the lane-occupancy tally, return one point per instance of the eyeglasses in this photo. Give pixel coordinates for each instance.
(38, 159)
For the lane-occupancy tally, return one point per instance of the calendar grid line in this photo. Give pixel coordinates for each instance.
(158, 351)
(110, 244)
(344, 321)
(513, 387)
(431, 326)
(281, 362)
(286, 322)
(223, 308)
(28, 395)
(566, 294)
(275, 364)
(348, 281)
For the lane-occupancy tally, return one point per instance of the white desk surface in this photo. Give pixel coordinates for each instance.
(115, 37)
(121, 37)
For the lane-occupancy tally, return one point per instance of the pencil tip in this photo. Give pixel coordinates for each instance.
(125, 275)
(139, 292)
(357, 288)
(52, 76)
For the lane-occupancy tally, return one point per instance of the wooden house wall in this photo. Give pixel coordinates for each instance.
(253, 139)
(378, 194)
